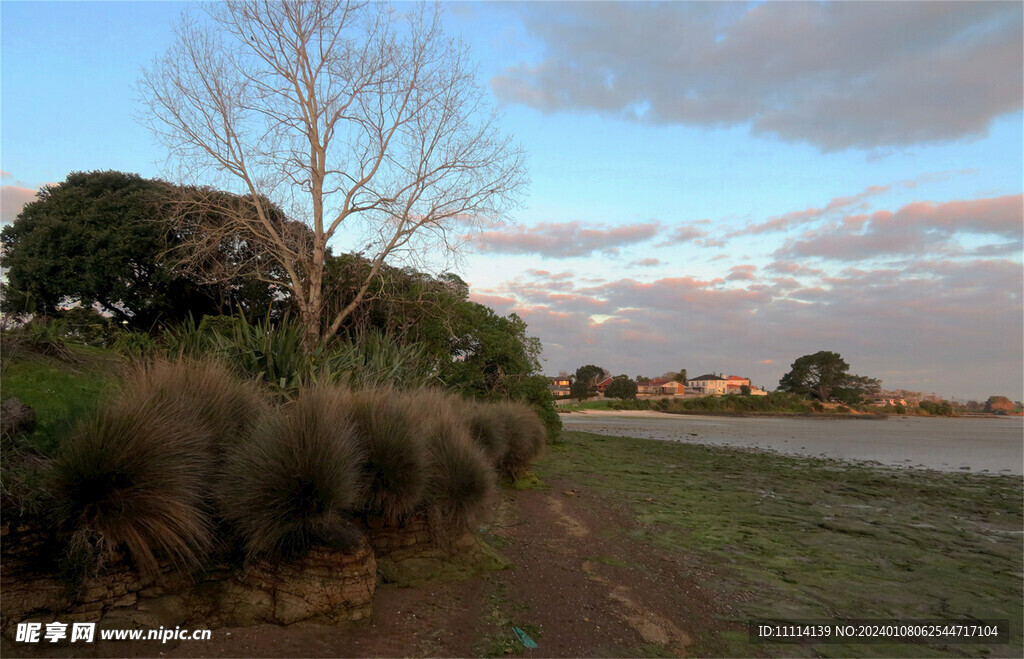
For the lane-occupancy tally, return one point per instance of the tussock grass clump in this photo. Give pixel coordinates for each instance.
(292, 484)
(396, 457)
(137, 476)
(525, 435)
(487, 428)
(460, 481)
(204, 390)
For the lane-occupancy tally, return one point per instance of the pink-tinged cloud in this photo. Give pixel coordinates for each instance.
(794, 269)
(685, 233)
(565, 240)
(497, 302)
(741, 273)
(12, 200)
(931, 316)
(4, 174)
(644, 263)
(793, 219)
(916, 229)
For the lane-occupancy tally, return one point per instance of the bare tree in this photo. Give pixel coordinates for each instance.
(357, 121)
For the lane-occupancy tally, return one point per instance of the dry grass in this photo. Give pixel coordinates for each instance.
(487, 428)
(394, 444)
(294, 482)
(460, 481)
(137, 475)
(204, 390)
(525, 435)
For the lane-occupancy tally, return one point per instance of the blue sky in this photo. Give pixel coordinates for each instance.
(720, 187)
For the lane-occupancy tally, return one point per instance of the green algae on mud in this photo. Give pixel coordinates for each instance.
(804, 538)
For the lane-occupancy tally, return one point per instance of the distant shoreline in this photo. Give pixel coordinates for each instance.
(828, 416)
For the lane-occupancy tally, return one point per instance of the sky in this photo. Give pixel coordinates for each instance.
(721, 187)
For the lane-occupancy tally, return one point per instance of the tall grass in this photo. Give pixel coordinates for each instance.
(296, 480)
(460, 481)
(525, 434)
(487, 428)
(394, 445)
(137, 476)
(203, 390)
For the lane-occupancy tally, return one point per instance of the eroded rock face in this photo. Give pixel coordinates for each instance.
(322, 585)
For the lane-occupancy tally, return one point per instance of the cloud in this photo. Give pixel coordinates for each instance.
(915, 229)
(644, 263)
(565, 239)
(12, 200)
(685, 233)
(741, 273)
(910, 325)
(837, 75)
(837, 205)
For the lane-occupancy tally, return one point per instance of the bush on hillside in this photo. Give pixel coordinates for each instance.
(295, 481)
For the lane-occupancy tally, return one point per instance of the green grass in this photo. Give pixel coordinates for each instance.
(601, 404)
(59, 392)
(814, 539)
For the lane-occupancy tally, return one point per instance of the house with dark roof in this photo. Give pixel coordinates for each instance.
(708, 385)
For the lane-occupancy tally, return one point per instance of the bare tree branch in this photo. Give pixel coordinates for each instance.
(338, 112)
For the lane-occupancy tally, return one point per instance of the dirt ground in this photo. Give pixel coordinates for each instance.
(578, 587)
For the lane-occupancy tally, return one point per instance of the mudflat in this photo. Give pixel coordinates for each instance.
(993, 445)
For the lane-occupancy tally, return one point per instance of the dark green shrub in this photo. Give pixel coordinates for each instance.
(46, 336)
(295, 481)
(373, 359)
(134, 344)
(396, 458)
(138, 476)
(86, 325)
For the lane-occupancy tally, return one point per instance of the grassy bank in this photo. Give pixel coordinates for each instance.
(812, 539)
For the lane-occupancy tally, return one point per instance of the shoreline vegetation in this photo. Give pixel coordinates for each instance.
(773, 405)
(810, 538)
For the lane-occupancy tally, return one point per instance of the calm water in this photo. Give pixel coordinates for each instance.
(984, 445)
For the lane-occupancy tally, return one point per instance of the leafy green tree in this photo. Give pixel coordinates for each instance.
(591, 374)
(680, 376)
(855, 388)
(621, 387)
(97, 238)
(744, 389)
(999, 405)
(585, 384)
(824, 375)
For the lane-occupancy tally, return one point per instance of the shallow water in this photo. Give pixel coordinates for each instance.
(979, 445)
